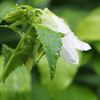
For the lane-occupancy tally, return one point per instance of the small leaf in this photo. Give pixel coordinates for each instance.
(24, 15)
(15, 14)
(51, 42)
(4, 26)
(7, 52)
(5, 11)
(16, 29)
(20, 21)
(27, 7)
(18, 60)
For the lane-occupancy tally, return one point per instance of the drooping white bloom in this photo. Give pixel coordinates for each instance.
(70, 41)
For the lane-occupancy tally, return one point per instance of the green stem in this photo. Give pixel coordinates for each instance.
(2, 77)
(34, 54)
(40, 55)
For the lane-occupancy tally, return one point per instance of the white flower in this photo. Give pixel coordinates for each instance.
(70, 41)
(70, 44)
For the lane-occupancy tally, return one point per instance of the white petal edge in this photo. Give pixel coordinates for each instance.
(62, 27)
(68, 49)
(70, 44)
(71, 56)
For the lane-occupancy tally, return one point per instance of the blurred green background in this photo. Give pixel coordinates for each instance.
(78, 82)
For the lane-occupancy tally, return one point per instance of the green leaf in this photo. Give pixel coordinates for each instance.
(18, 60)
(89, 28)
(39, 89)
(7, 52)
(15, 14)
(17, 84)
(5, 11)
(51, 42)
(20, 55)
(20, 21)
(16, 29)
(24, 15)
(21, 14)
(63, 76)
(76, 92)
(27, 7)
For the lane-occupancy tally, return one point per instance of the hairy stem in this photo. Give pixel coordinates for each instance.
(14, 53)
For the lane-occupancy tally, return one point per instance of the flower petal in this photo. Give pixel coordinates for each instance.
(50, 25)
(70, 41)
(71, 56)
(70, 44)
(80, 45)
(69, 49)
(55, 23)
(62, 27)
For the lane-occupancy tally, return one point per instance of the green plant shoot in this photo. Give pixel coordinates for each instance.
(46, 34)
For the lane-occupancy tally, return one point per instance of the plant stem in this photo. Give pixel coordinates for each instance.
(34, 54)
(14, 53)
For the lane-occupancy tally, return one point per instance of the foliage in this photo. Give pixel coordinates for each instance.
(90, 25)
(85, 77)
(15, 86)
(29, 44)
(79, 93)
(51, 42)
(61, 81)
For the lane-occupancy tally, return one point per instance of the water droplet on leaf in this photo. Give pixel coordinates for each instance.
(56, 55)
(52, 72)
(53, 66)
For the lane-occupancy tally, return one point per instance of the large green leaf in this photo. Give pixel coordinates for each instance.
(90, 27)
(76, 92)
(51, 42)
(39, 92)
(63, 76)
(17, 84)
